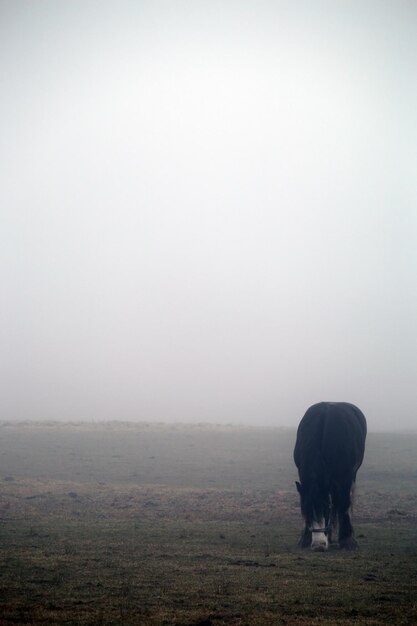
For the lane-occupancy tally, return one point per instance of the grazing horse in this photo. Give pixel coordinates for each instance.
(328, 452)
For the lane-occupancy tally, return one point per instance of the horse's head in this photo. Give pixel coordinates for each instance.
(315, 507)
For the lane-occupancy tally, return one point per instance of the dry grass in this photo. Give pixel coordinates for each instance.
(127, 551)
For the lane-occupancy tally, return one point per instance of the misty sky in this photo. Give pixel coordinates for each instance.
(208, 209)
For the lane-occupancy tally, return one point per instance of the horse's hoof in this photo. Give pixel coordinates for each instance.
(348, 544)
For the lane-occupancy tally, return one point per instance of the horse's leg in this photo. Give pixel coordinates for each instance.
(305, 539)
(333, 512)
(346, 538)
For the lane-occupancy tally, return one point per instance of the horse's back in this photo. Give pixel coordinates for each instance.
(344, 438)
(334, 433)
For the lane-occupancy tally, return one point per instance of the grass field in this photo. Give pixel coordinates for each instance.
(194, 525)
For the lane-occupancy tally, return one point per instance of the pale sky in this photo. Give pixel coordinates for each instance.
(208, 209)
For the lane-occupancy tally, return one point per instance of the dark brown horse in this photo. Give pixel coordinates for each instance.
(328, 453)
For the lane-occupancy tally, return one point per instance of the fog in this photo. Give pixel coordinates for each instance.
(208, 210)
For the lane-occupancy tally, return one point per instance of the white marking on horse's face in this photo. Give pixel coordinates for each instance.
(319, 541)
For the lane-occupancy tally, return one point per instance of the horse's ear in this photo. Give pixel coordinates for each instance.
(299, 487)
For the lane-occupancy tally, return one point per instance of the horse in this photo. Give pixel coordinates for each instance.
(328, 452)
